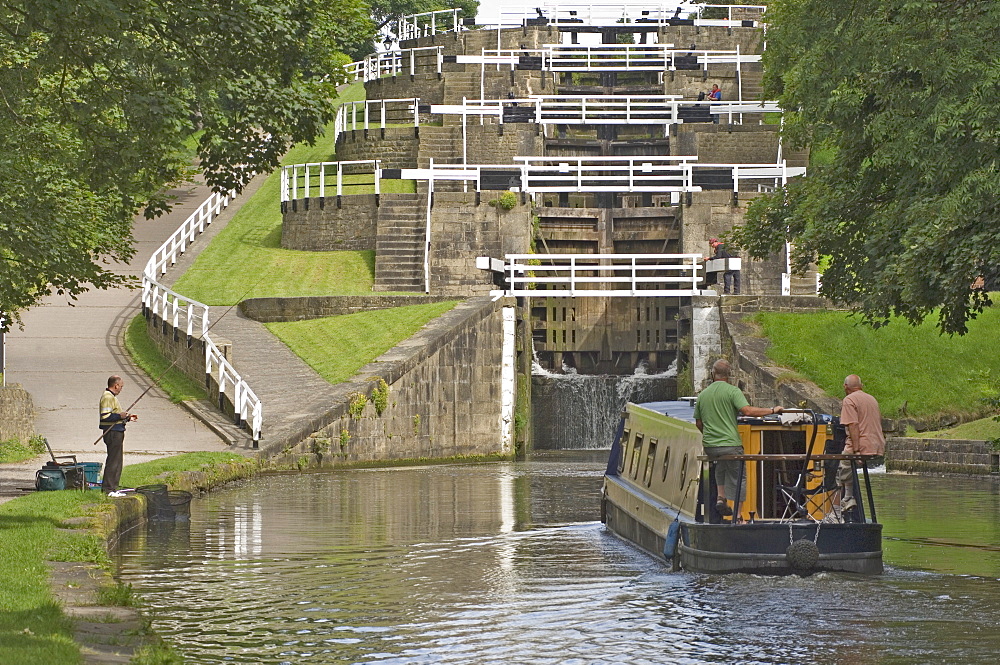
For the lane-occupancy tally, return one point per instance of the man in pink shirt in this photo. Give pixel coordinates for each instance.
(862, 418)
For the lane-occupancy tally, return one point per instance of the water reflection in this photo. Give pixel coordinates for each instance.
(506, 563)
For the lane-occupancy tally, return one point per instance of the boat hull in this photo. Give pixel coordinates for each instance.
(759, 548)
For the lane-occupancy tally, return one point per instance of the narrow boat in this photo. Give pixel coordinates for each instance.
(659, 493)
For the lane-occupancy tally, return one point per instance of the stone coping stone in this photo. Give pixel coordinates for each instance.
(271, 310)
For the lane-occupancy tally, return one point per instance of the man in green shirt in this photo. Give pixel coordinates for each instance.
(715, 415)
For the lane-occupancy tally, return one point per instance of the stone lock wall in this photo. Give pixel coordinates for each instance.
(726, 144)
(461, 230)
(319, 225)
(442, 396)
(963, 456)
(17, 413)
(268, 310)
(712, 214)
(394, 147)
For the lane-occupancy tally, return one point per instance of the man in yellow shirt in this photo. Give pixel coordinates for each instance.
(113, 419)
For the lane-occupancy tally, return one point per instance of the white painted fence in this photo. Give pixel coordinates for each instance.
(322, 179)
(602, 275)
(426, 24)
(422, 60)
(191, 316)
(375, 114)
(570, 15)
(600, 109)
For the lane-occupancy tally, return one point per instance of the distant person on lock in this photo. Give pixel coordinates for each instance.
(113, 419)
(861, 417)
(715, 415)
(730, 278)
(715, 96)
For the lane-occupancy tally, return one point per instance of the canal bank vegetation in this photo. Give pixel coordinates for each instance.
(46, 526)
(13, 450)
(914, 371)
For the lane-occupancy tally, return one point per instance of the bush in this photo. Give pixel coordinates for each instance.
(505, 201)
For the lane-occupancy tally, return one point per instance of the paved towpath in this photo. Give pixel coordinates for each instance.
(68, 349)
(65, 354)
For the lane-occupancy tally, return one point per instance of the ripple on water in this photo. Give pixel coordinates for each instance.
(453, 565)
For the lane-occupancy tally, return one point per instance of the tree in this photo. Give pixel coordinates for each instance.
(97, 98)
(897, 100)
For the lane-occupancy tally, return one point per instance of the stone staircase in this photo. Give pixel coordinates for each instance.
(456, 86)
(399, 243)
(443, 144)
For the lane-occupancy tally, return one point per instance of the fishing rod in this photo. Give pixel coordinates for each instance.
(178, 359)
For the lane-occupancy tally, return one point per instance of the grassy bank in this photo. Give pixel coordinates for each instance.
(246, 259)
(33, 628)
(13, 450)
(338, 346)
(913, 371)
(144, 353)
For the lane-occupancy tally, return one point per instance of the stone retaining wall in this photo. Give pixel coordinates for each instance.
(961, 456)
(269, 310)
(17, 413)
(320, 225)
(441, 398)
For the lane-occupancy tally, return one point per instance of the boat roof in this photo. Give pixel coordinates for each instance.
(682, 409)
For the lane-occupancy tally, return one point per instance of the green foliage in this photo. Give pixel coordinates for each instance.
(166, 469)
(157, 654)
(358, 404)
(100, 96)
(144, 353)
(13, 450)
(345, 438)
(416, 425)
(902, 95)
(338, 346)
(912, 371)
(117, 595)
(506, 201)
(380, 396)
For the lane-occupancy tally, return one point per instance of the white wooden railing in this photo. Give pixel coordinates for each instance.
(322, 179)
(375, 114)
(608, 57)
(423, 60)
(535, 175)
(191, 316)
(603, 275)
(426, 24)
(569, 15)
(601, 109)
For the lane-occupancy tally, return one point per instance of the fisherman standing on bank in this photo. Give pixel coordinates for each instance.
(113, 419)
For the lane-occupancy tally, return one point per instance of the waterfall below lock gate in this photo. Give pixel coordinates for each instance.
(581, 411)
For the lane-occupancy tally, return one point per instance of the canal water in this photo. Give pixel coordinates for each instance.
(508, 563)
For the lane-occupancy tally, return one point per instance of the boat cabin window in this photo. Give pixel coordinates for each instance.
(647, 474)
(636, 453)
(626, 439)
(666, 463)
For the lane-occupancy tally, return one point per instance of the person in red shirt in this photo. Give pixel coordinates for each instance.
(861, 416)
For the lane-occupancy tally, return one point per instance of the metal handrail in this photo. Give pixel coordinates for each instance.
(425, 24)
(394, 63)
(578, 275)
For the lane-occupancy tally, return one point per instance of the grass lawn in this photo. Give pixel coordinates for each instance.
(13, 450)
(33, 629)
(932, 374)
(338, 346)
(984, 429)
(246, 259)
(145, 354)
